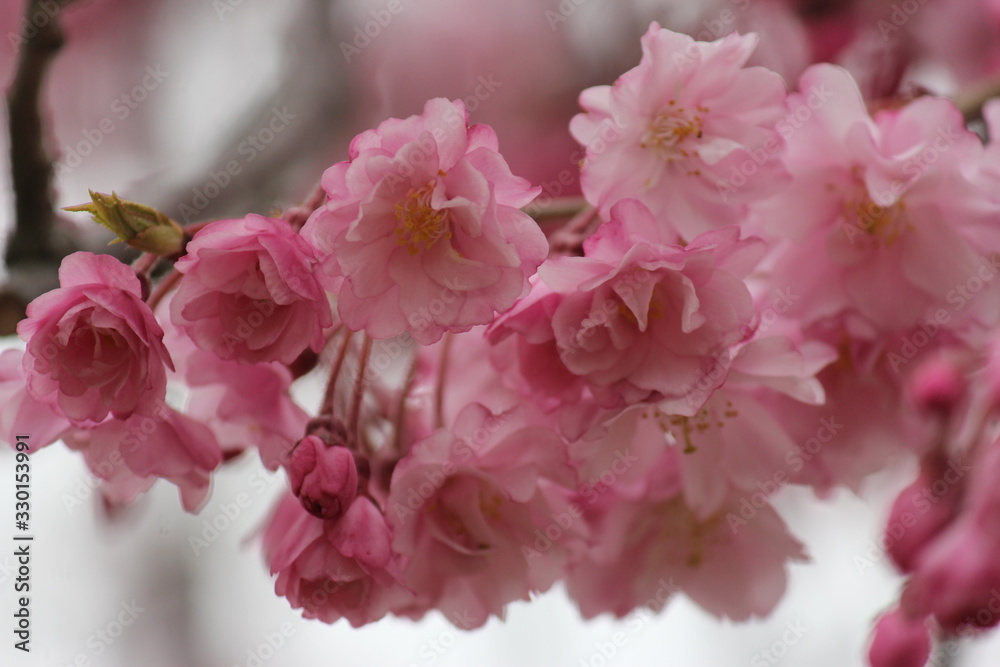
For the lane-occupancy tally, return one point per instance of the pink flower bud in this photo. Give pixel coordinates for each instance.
(325, 479)
(923, 510)
(937, 385)
(900, 641)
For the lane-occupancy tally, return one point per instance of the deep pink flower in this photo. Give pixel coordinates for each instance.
(677, 130)
(93, 346)
(956, 577)
(343, 568)
(424, 225)
(249, 292)
(646, 320)
(900, 641)
(480, 513)
(323, 477)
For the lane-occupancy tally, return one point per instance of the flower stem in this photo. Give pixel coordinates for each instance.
(439, 386)
(563, 207)
(326, 407)
(353, 423)
(161, 290)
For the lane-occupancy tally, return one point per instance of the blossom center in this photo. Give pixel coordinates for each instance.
(418, 224)
(680, 428)
(656, 310)
(882, 223)
(672, 131)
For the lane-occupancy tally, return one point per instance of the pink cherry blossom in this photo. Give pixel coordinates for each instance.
(93, 346)
(480, 513)
(21, 413)
(676, 131)
(245, 405)
(343, 568)
(250, 293)
(644, 320)
(424, 225)
(169, 445)
(646, 548)
(886, 219)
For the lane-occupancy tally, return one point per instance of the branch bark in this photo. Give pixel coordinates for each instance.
(31, 256)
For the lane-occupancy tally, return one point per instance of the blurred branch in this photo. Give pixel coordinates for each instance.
(970, 102)
(31, 257)
(313, 69)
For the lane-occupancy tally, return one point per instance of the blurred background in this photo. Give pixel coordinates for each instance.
(216, 108)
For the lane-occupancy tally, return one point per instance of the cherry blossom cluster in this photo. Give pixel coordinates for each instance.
(764, 285)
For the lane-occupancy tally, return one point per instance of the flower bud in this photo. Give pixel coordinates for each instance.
(937, 386)
(325, 479)
(141, 227)
(900, 641)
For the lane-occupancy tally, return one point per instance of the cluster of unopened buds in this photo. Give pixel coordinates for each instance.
(763, 287)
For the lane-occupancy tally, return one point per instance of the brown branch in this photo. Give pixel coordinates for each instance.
(32, 255)
(31, 166)
(971, 101)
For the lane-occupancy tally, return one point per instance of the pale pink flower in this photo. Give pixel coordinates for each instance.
(93, 346)
(887, 219)
(20, 412)
(644, 320)
(646, 548)
(480, 514)
(681, 131)
(425, 227)
(250, 293)
(168, 445)
(245, 405)
(343, 568)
